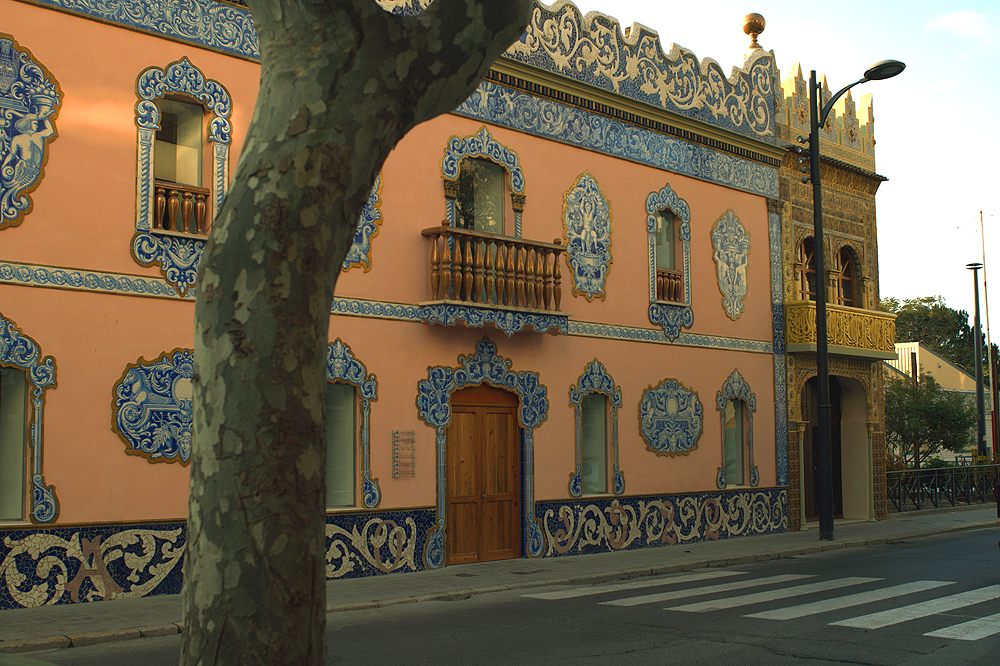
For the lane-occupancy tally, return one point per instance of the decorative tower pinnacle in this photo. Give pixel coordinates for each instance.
(753, 25)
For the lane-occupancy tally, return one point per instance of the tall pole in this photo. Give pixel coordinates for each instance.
(823, 447)
(991, 357)
(980, 403)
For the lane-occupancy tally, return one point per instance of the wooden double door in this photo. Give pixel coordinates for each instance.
(484, 476)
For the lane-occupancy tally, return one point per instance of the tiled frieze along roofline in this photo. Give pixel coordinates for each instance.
(849, 134)
(594, 50)
(545, 85)
(591, 50)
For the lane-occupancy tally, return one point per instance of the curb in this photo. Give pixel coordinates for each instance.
(78, 640)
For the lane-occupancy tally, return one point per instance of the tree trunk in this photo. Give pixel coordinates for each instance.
(341, 82)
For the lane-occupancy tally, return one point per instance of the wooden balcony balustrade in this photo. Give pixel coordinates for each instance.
(669, 285)
(180, 209)
(849, 331)
(485, 269)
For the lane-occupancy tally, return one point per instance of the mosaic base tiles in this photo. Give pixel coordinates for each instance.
(68, 565)
(372, 544)
(610, 524)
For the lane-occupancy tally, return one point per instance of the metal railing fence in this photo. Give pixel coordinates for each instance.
(912, 490)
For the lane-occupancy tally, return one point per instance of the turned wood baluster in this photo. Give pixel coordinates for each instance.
(187, 206)
(478, 284)
(540, 278)
(161, 205)
(456, 267)
(488, 269)
(557, 277)
(445, 265)
(200, 213)
(548, 278)
(435, 266)
(519, 273)
(501, 263)
(173, 207)
(467, 262)
(529, 277)
(511, 273)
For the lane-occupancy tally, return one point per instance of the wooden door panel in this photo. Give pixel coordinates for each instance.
(499, 534)
(462, 436)
(463, 532)
(498, 476)
(483, 468)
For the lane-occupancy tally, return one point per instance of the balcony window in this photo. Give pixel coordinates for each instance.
(805, 270)
(845, 270)
(481, 202)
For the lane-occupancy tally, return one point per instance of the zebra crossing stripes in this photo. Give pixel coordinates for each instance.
(849, 601)
(707, 589)
(972, 630)
(633, 584)
(923, 609)
(773, 595)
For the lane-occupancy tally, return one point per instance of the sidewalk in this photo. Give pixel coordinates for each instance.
(71, 625)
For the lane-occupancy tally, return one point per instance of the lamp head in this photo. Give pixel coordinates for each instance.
(885, 69)
(975, 266)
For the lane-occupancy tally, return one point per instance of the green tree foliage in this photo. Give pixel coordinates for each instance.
(922, 420)
(941, 329)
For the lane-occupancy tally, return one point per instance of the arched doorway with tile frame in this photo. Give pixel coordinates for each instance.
(434, 405)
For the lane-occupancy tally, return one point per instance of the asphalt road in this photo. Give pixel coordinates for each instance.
(931, 602)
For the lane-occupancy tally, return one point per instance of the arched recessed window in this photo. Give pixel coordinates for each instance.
(13, 438)
(734, 435)
(847, 279)
(181, 154)
(341, 445)
(483, 202)
(805, 270)
(669, 279)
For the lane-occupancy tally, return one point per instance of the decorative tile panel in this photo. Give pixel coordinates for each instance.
(508, 321)
(593, 50)
(213, 25)
(670, 418)
(360, 253)
(530, 114)
(587, 231)
(778, 335)
(595, 379)
(597, 525)
(735, 387)
(177, 257)
(671, 316)
(69, 565)
(342, 366)
(434, 409)
(152, 409)
(29, 105)
(731, 243)
(17, 350)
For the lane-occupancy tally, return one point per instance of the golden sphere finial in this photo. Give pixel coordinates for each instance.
(753, 25)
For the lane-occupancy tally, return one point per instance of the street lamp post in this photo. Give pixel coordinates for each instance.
(822, 447)
(980, 404)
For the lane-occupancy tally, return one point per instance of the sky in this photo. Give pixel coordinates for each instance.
(936, 124)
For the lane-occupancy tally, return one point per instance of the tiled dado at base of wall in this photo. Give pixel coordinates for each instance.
(81, 564)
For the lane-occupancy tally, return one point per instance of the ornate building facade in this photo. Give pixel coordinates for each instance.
(860, 337)
(560, 329)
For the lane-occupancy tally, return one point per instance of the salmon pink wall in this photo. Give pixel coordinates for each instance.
(89, 188)
(92, 338)
(413, 199)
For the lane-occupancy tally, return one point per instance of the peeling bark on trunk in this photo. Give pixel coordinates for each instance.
(341, 82)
